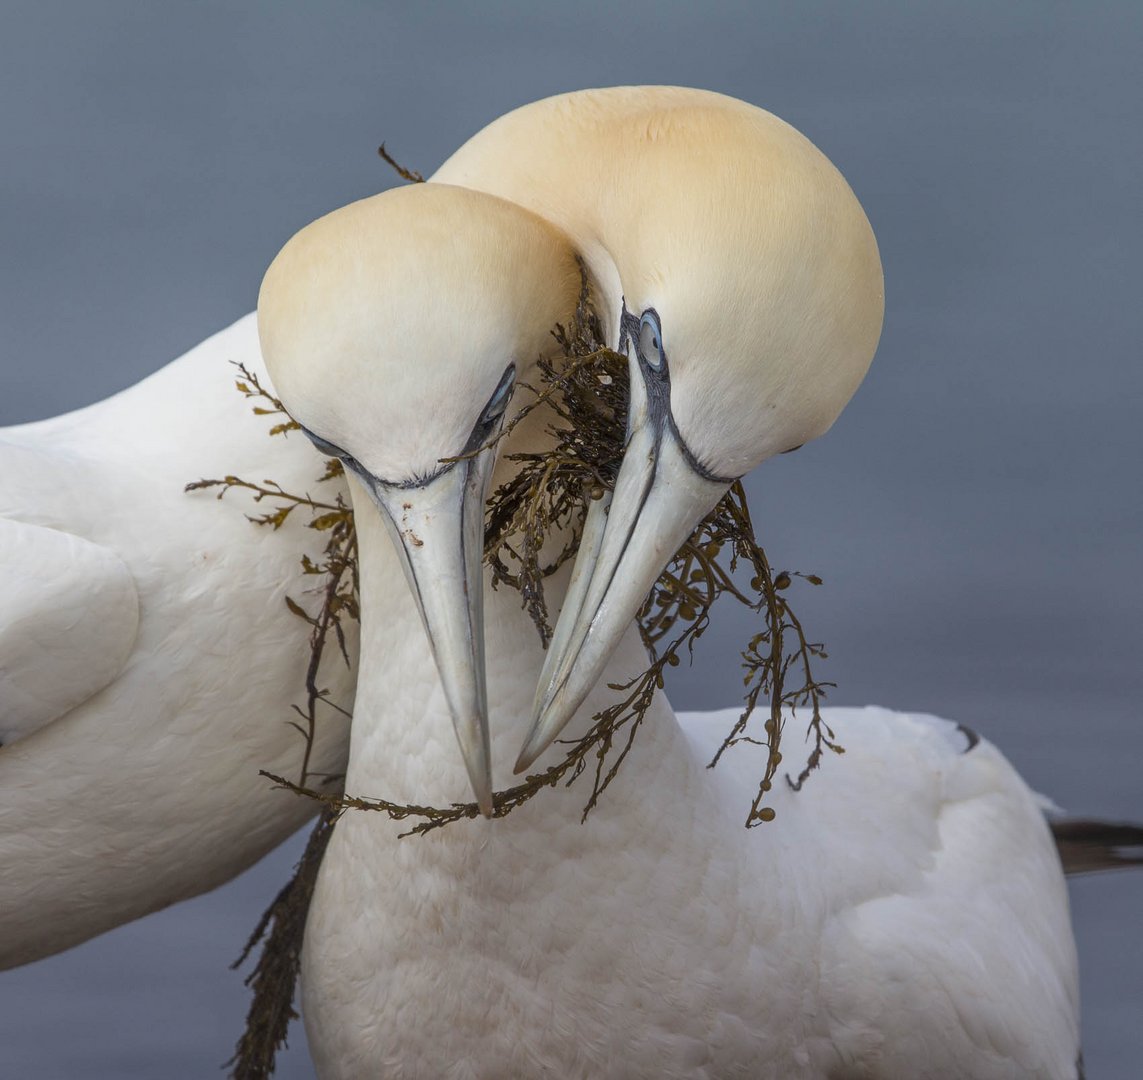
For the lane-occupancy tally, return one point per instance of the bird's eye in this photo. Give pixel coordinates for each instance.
(322, 446)
(493, 411)
(500, 397)
(650, 344)
(327, 448)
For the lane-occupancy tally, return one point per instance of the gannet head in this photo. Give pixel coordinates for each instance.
(394, 330)
(751, 300)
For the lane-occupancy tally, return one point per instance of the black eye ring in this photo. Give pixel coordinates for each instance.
(329, 450)
(322, 446)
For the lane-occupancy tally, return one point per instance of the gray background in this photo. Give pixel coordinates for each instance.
(976, 512)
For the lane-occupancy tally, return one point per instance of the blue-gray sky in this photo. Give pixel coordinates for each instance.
(976, 512)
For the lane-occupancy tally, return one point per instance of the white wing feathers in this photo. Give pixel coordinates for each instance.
(933, 888)
(69, 613)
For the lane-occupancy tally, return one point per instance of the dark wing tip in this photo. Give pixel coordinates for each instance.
(1086, 845)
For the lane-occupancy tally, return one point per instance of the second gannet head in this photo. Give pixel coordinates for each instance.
(750, 300)
(394, 330)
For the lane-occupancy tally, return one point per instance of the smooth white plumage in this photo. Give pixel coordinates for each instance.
(148, 662)
(904, 916)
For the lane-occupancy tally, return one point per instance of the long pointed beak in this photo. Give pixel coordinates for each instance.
(438, 530)
(658, 500)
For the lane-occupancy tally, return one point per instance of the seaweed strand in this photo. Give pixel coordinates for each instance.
(280, 930)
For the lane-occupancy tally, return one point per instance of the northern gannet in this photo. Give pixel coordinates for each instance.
(148, 663)
(737, 264)
(904, 916)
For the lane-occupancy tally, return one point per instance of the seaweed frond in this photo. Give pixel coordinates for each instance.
(550, 491)
(411, 175)
(272, 982)
(336, 566)
(767, 659)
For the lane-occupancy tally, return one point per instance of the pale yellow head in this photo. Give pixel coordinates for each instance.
(726, 222)
(389, 324)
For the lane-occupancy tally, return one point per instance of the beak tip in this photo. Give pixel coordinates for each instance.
(478, 761)
(484, 797)
(538, 740)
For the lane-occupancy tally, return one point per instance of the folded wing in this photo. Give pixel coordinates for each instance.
(69, 614)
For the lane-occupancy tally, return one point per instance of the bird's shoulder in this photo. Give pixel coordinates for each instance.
(941, 914)
(71, 615)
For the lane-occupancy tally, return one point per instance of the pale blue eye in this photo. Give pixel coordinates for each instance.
(499, 400)
(650, 342)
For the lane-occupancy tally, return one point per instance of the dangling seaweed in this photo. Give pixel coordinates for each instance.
(337, 566)
(281, 927)
(275, 974)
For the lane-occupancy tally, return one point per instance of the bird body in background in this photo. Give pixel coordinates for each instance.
(148, 662)
(904, 915)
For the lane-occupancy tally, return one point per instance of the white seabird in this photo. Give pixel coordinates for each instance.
(148, 662)
(904, 916)
(738, 264)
